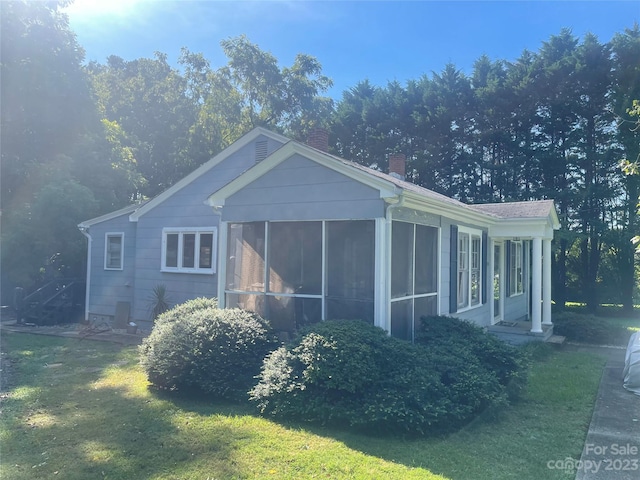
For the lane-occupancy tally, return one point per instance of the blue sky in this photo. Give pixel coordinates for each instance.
(353, 40)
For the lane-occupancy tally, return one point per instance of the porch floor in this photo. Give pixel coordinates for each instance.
(519, 332)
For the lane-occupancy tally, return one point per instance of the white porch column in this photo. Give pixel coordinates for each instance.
(536, 286)
(381, 304)
(222, 263)
(492, 269)
(546, 281)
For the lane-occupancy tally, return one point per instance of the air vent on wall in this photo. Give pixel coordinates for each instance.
(261, 150)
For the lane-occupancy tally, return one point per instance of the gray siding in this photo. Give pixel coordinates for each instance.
(515, 308)
(143, 243)
(111, 286)
(301, 189)
(185, 208)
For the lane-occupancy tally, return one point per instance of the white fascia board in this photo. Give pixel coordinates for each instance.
(387, 189)
(498, 227)
(108, 216)
(230, 150)
(521, 228)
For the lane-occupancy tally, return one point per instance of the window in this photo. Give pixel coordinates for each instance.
(515, 268)
(114, 251)
(414, 276)
(188, 250)
(469, 278)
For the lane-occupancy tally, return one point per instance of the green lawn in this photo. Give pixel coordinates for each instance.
(82, 409)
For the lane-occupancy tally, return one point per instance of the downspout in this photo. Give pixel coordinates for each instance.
(85, 232)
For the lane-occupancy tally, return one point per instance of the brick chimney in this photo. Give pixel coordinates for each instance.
(397, 165)
(319, 138)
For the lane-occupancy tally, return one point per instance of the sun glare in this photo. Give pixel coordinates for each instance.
(100, 8)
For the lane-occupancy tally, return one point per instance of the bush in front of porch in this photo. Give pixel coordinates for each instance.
(507, 363)
(349, 373)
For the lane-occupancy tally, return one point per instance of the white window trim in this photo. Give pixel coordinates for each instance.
(513, 266)
(472, 233)
(181, 231)
(106, 247)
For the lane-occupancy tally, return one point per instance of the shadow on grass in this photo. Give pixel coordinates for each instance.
(62, 419)
(84, 410)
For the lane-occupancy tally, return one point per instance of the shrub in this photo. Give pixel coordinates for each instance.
(586, 328)
(218, 352)
(185, 309)
(447, 334)
(351, 373)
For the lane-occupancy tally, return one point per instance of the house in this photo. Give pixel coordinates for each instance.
(298, 235)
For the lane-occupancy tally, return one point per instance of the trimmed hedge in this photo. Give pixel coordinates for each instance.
(507, 363)
(350, 373)
(218, 352)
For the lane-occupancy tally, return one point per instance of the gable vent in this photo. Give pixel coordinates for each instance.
(261, 150)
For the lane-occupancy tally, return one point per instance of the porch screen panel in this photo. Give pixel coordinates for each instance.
(245, 260)
(350, 269)
(288, 313)
(426, 264)
(424, 307)
(401, 259)
(254, 303)
(402, 319)
(295, 257)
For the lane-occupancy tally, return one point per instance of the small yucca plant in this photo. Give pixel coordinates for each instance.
(159, 301)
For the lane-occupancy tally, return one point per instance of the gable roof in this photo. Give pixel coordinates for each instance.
(230, 150)
(396, 191)
(531, 209)
(393, 190)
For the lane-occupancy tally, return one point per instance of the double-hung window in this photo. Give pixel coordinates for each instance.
(469, 278)
(515, 268)
(114, 251)
(189, 250)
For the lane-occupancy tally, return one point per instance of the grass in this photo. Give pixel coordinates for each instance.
(78, 410)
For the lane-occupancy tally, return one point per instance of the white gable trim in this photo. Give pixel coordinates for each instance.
(230, 150)
(387, 189)
(108, 216)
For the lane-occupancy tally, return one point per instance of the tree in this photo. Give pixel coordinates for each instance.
(147, 100)
(626, 88)
(593, 159)
(60, 165)
(45, 108)
(45, 100)
(284, 98)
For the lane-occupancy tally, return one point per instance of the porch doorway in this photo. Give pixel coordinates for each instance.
(498, 294)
